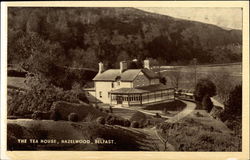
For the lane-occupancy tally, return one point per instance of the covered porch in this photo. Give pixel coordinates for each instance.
(140, 96)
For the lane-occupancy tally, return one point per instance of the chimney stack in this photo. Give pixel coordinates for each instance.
(123, 66)
(146, 64)
(101, 68)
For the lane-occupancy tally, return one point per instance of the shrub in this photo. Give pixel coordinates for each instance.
(107, 111)
(198, 114)
(110, 120)
(37, 115)
(233, 106)
(100, 109)
(135, 124)
(204, 87)
(111, 109)
(38, 98)
(73, 117)
(139, 117)
(148, 122)
(55, 116)
(100, 120)
(83, 110)
(157, 115)
(207, 104)
(127, 123)
(96, 106)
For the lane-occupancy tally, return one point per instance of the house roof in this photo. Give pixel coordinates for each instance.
(127, 75)
(128, 91)
(143, 89)
(155, 87)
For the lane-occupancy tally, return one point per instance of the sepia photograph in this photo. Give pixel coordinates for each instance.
(157, 79)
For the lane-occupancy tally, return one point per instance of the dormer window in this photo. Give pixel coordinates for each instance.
(118, 80)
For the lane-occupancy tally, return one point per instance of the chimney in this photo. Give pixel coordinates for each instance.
(101, 68)
(123, 66)
(146, 64)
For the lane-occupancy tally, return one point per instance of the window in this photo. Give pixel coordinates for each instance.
(112, 84)
(100, 94)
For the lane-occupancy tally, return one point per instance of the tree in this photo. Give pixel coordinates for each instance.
(207, 103)
(175, 77)
(233, 106)
(223, 83)
(204, 87)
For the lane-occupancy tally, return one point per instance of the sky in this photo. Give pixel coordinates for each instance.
(228, 18)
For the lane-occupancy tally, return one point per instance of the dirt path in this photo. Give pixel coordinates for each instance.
(186, 111)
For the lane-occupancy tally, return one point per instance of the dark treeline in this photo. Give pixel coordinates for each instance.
(44, 39)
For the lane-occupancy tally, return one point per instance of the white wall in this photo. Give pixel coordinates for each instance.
(105, 87)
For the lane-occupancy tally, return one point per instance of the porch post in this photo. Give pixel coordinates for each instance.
(140, 97)
(128, 99)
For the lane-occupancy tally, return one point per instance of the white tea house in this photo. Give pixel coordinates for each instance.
(129, 86)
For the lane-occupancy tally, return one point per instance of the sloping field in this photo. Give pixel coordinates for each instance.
(200, 132)
(65, 135)
(233, 72)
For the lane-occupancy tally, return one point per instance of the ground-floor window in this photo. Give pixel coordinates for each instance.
(143, 97)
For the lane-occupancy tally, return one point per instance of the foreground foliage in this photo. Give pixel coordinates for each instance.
(191, 135)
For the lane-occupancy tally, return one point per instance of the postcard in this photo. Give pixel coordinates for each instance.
(122, 80)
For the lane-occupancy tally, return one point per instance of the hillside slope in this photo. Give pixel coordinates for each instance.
(87, 35)
(62, 131)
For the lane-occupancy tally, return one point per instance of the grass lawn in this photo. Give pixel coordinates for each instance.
(175, 105)
(235, 71)
(124, 113)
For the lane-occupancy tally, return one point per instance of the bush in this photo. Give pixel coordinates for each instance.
(83, 110)
(96, 106)
(135, 124)
(111, 110)
(204, 87)
(127, 123)
(73, 117)
(198, 114)
(157, 115)
(139, 117)
(38, 98)
(233, 106)
(55, 116)
(207, 104)
(37, 115)
(100, 120)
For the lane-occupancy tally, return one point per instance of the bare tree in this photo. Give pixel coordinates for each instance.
(175, 77)
(223, 82)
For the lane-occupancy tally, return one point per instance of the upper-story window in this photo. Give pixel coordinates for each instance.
(100, 94)
(118, 80)
(112, 85)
